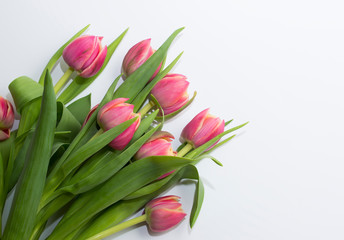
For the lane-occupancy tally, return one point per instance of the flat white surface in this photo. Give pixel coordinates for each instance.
(277, 64)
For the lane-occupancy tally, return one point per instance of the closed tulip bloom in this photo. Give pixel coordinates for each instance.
(157, 145)
(171, 92)
(202, 128)
(114, 113)
(6, 118)
(164, 213)
(90, 114)
(6, 114)
(85, 55)
(136, 56)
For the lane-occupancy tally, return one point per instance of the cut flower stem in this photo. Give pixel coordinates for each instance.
(63, 80)
(187, 148)
(119, 227)
(146, 108)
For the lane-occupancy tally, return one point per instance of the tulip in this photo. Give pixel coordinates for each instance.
(136, 56)
(85, 55)
(4, 134)
(202, 128)
(6, 118)
(114, 113)
(157, 145)
(160, 214)
(171, 92)
(90, 114)
(164, 213)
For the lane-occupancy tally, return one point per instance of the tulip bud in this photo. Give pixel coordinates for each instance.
(89, 114)
(157, 145)
(114, 113)
(85, 55)
(202, 128)
(6, 118)
(136, 56)
(171, 92)
(4, 134)
(164, 213)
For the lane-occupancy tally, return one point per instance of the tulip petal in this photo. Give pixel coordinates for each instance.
(79, 51)
(4, 134)
(96, 64)
(120, 142)
(193, 126)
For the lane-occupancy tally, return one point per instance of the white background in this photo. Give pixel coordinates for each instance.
(277, 64)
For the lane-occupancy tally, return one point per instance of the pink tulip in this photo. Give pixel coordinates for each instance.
(171, 92)
(157, 145)
(4, 134)
(90, 114)
(114, 113)
(6, 114)
(164, 213)
(85, 55)
(136, 56)
(6, 118)
(202, 128)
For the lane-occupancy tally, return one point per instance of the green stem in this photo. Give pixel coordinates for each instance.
(187, 148)
(118, 228)
(146, 108)
(63, 80)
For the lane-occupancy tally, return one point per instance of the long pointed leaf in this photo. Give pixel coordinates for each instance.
(30, 187)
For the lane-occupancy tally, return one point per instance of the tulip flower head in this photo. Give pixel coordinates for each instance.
(202, 128)
(90, 114)
(171, 92)
(114, 113)
(164, 213)
(136, 56)
(157, 145)
(6, 118)
(85, 55)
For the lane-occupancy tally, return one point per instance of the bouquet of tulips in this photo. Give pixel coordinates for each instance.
(97, 167)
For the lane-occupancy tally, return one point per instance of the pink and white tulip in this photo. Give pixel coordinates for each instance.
(6, 118)
(114, 113)
(136, 56)
(171, 92)
(202, 128)
(85, 55)
(164, 213)
(157, 145)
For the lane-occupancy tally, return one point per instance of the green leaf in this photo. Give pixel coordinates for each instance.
(84, 152)
(30, 187)
(79, 84)
(210, 157)
(3, 191)
(144, 126)
(106, 169)
(141, 97)
(228, 122)
(80, 108)
(5, 147)
(220, 144)
(126, 181)
(24, 90)
(205, 146)
(123, 209)
(78, 140)
(131, 87)
(58, 54)
(66, 122)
